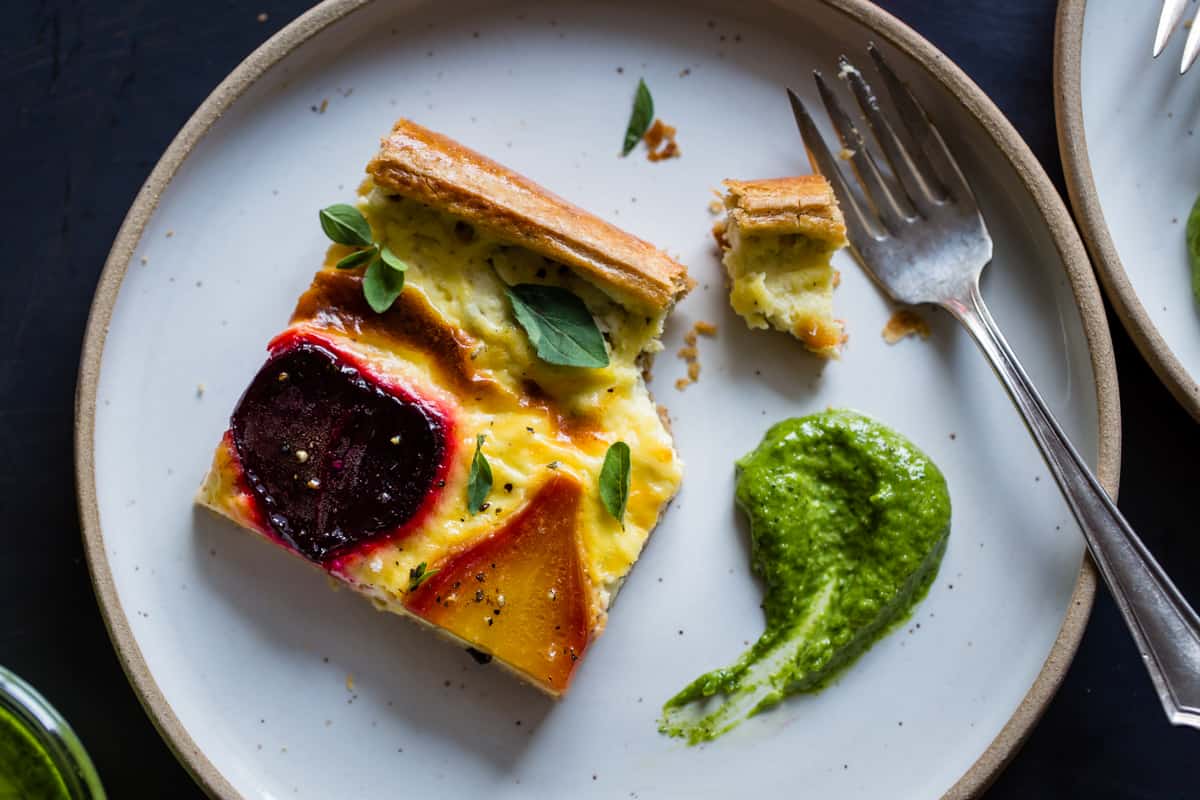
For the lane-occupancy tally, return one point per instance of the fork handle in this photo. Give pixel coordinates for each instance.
(1165, 627)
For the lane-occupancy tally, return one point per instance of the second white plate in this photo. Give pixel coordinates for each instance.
(1128, 132)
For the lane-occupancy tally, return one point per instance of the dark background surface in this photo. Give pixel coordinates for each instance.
(93, 93)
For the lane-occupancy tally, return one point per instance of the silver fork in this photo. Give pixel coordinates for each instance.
(1168, 21)
(920, 235)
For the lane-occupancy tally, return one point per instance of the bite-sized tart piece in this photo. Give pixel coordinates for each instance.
(355, 446)
(777, 238)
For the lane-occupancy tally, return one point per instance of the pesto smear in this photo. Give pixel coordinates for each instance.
(848, 523)
(25, 767)
(1193, 246)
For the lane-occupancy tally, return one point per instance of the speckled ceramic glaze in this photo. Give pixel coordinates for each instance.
(269, 685)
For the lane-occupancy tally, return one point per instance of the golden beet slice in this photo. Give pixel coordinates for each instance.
(519, 593)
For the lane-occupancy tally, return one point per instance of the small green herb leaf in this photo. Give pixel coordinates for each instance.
(357, 258)
(479, 480)
(1193, 246)
(382, 285)
(614, 480)
(344, 224)
(418, 575)
(640, 118)
(559, 325)
(392, 260)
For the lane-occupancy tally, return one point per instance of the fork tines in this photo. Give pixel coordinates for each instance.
(1168, 21)
(926, 175)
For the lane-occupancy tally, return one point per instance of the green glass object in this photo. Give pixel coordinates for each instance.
(41, 758)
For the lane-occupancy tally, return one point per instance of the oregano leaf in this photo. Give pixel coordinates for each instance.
(382, 285)
(559, 325)
(479, 479)
(614, 480)
(345, 224)
(640, 118)
(418, 575)
(356, 259)
(391, 259)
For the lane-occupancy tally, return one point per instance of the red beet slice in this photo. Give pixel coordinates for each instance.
(334, 459)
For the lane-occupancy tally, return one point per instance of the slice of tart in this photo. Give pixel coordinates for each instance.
(777, 238)
(431, 456)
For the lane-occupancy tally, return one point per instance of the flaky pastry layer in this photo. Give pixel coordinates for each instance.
(443, 174)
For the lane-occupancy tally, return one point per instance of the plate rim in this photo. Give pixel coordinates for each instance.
(1085, 200)
(939, 67)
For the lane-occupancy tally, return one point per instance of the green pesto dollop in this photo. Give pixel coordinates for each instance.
(848, 524)
(1192, 234)
(25, 767)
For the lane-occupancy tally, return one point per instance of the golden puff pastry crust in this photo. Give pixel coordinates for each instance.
(803, 204)
(443, 174)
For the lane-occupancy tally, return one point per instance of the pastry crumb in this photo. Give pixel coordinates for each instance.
(664, 417)
(845, 154)
(691, 354)
(716, 207)
(145, 260)
(170, 234)
(199, 390)
(349, 682)
(719, 229)
(660, 141)
(905, 323)
(262, 16)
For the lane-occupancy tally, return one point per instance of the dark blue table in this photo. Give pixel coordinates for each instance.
(94, 91)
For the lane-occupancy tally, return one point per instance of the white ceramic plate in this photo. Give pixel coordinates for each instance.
(243, 656)
(1129, 130)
